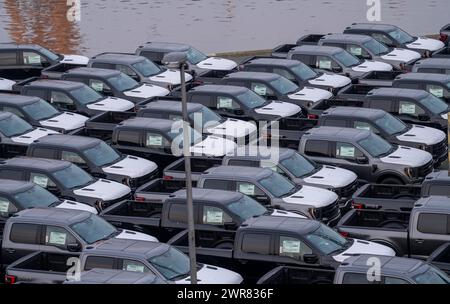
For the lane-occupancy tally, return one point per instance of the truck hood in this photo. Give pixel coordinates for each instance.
(313, 196)
(29, 137)
(406, 156)
(331, 80)
(311, 94)
(402, 55)
(132, 166)
(332, 176)
(214, 146)
(420, 134)
(282, 213)
(104, 189)
(75, 59)
(281, 109)
(77, 206)
(364, 247)
(112, 104)
(6, 84)
(217, 64)
(429, 44)
(214, 275)
(370, 66)
(66, 121)
(233, 128)
(147, 91)
(137, 236)
(172, 77)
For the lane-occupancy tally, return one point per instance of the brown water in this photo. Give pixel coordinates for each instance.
(212, 26)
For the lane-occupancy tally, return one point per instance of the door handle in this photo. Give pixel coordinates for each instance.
(10, 251)
(420, 241)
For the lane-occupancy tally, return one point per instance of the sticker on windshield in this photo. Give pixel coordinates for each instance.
(214, 216)
(225, 103)
(154, 140)
(363, 127)
(325, 64)
(260, 89)
(356, 50)
(290, 246)
(97, 86)
(437, 91)
(269, 165)
(4, 206)
(34, 59)
(135, 268)
(57, 238)
(247, 189)
(347, 151)
(408, 108)
(40, 181)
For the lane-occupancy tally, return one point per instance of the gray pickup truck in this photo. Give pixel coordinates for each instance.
(415, 234)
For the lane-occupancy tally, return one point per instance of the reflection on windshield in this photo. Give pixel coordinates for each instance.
(401, 36)
(247, 208)
(434, 104)
(123, 82)
(102, 155)
(40, 110)
(35, 197)
(147, 68)
(299, 166)
(376, 146)
(327, 240)
(376, 47)
(209, 118)
(304, 72)
(284, 86)
(14, 126)
(252, 100)
(347, 59)
(277, 185)
(86, 95)
(391, 124)
(94, 229)
(73, 177)
(194, 56)
(172, 264)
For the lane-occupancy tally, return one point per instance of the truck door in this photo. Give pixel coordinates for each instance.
(216, 228)
(33, 63)
(428, 232)
(22, 240)
(352, 158)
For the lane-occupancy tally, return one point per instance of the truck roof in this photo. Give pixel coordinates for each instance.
(102, 73)
(171, 106)
(389, 265)
(281, 224)
(337, 133)
(56, 84)
(439, 63)
(350, 38)
(439, 175)
(316, 50)
(233, 172)
(115, 276)
(120, 58)
(19, 100)
(139, 123)
(208, 195)
(253, 76)
(273, 62)
(12, 187)
(355, 112)
(442, 78)
(399, 92)
(255, 153)
(67, 141)
(51, 216)
(434, 202)
(214, 88)
(27, 163)
(13, 45)
(372, 26)
(131, 248)
(165, 47)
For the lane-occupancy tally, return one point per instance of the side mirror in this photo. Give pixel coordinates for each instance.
(310, 259)
(107, 92)
(75, 247)
(362, 160)
(336, 69)
(424, 117)
(263, 199)
(230, 226)
(239, 112)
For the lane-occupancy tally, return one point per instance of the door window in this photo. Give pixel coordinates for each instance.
(98, 85)
(261, 89)
(410, 108)
(383, 39)
(256, 244)
(215, 216)
(437, 90)
(357, 51)
(126, 70)
(24, 233)
(72, 157)
(361, 125)
(59, 237)
(6, 207)
(293, 248)
(61, 98)
(134, 266)
(324, 63)
(42, 180)
(317, 148)
(155, 141)
(347, 151)
(227, 103)
(217, 184)
(249, 189)
(95, 262)
(129, 138)
(434, 224)
(8, 58)
(33, 58)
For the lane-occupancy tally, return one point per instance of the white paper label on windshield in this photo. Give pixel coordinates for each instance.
(57, 238)
(225, 103)
(4, 206)
(356, 50)
(408, 108)
(247, 189)
(347, 152)
(135, 268)
(363, 127)
(260, 89)
(97, 85)
(438, 92)
(40, 181)
(290, 246)
(154, 140)
(34, 59)
(325, 64)
(214, 217)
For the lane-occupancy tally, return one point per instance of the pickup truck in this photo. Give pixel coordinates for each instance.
(217, 214)
(414, 234)
(356, 270)
(265, 242)
(282, 50)
(57, 70)
(441, 258)
(444, 34)
(432, 66)
(442, 53)
(436, 84)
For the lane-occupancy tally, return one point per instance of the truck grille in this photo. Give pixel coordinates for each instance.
(425, 169)
(137, 182)
(329, 212)
(348, 190)
(439, 149)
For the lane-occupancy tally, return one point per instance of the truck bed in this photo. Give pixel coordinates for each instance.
(311, 39)
(356, 91)
(324, 105)
(282, 50)
(176, 170)
(380, 78)
(442, 53)
(441, 258)
(56, 71)
(285, 275)
(158, 190)
(374, 219)
(102, 125)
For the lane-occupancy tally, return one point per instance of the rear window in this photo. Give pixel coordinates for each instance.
(442, 190)
(8, 58)
(44, 153)
(24, 233)
(256, 243)
(129, 138)
(99, 263)
(434, 223)
(12, 174)
(178, 213)
(317, 148)
(217, 184)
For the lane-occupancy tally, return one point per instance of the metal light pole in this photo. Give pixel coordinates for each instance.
(178, 59)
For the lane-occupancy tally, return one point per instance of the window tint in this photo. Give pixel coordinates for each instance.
(261, 89)
(59, 97)
(13, 110)
(443, 190)
(318, 148)
(102, 65)
(356, 278)
(6, 207)
(249, 189)
(406, 85)
(383, 104)
(57, 236)
(347, 151)
(98, 85)
(178, 213)
(129, 138)
(243, 163)
(335, 122)
(99, 262)
(205, 100)
(134, 266)
(293, 248)
(33, 58)
(433, 223)
(24, 233)
(409, 108)
(217, 184)
(72, 157)
(154, 56)
(12, 174)
(44, 153)
(227, 103)
(256, 243)
(8, 58)
(42, 180)
(215, 216)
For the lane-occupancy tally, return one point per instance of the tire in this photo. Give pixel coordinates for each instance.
(225, 245)
(392, 181)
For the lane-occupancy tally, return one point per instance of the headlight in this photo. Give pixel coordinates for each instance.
(409, 172)
(314, 213)
(127, 181)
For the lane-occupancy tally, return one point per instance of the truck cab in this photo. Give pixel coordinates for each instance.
(74, 97)
(436, 183)
(139, 68)
(436, 84)
(96, 157)
(390, 128)
(432, 66)
(368, 155)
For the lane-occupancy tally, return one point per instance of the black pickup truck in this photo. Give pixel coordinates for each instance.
(414, 234)
(57, 70)
(282, 50)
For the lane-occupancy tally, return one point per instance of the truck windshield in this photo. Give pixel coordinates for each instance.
(327, 241)
(147, 68)
(247, 208)
(347, 59)
(194, 56)
(14, 126)
(376, 47)
(94, 229)
(252, 100)
(432, 276)
(86, 95)
(278, 185)
(208, 118)
(102, 155)
(123, 82)
(391, 124)
(172, 264)
(49, 54)
(299, 166)
(35, 197)
(376, 146)
(304, 72)
(284, 86)
(435, 105)
(40, 110)
(73, 177)
(402, 36)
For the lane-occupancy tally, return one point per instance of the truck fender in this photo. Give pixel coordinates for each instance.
(387, 173)
(388, 244)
